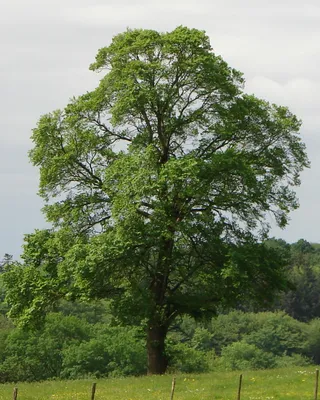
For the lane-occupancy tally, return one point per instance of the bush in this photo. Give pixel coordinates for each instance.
(115, 351)
(244, 356)
(71, 347)
(230, 328)
(312, 346)
(186, 359)
(279, 334)
(295, 360)
(202, 339)
(37, 355)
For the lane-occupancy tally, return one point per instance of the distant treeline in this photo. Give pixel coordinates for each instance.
(302, 299)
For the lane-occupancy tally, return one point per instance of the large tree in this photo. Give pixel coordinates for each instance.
(158, 184)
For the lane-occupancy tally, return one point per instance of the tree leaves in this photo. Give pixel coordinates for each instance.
(158, 184)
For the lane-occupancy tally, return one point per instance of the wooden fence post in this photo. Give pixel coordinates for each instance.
(173, 387)
(239, 388)
(15, 393)
(93, 391)
(316, 385)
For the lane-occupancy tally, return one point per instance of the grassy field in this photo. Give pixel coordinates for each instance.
(289, 383)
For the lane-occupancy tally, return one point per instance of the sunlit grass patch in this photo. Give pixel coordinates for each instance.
(280, 384)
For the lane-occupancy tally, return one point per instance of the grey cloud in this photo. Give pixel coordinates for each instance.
(47, 46)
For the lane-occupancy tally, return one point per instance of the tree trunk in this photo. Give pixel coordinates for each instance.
(157, 360)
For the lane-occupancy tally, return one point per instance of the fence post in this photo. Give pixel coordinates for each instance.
(93, 391)
(239, 388)
(15, 393)
(316, 385)
(173, 387)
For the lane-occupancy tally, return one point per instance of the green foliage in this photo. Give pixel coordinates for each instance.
(302, 301)
(110, 352)
(312, 345)
(229, 328)
(244, 356)
(187, 359)
(278, 334)
(73, 347)
(297, 360)
(92, 312)
(241, 340)
(38, 355)
(202, 339)
(274, 333)
(157, 184)
(70, 347)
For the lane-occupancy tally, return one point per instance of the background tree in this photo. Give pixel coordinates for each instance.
(6, 260)
(157, 184)
(303, 271)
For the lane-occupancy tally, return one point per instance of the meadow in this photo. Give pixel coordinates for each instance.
(287, 383)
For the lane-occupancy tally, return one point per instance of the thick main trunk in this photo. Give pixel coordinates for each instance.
(157, 327)
(157, 360)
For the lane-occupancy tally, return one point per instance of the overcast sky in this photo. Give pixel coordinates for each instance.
(47, 46)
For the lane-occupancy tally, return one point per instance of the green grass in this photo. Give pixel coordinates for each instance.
(289, 383)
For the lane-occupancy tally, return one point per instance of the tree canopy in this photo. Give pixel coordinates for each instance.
(158, 185)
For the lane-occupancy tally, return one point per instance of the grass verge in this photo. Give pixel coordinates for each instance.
(279, 384)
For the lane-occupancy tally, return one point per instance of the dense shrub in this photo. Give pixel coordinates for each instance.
(277, 333)
(81, 342)
(312, 345)
(295, 360)
(229, 328)
(114, 351)
(241, 355)
(187, 359)
(37, 355)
